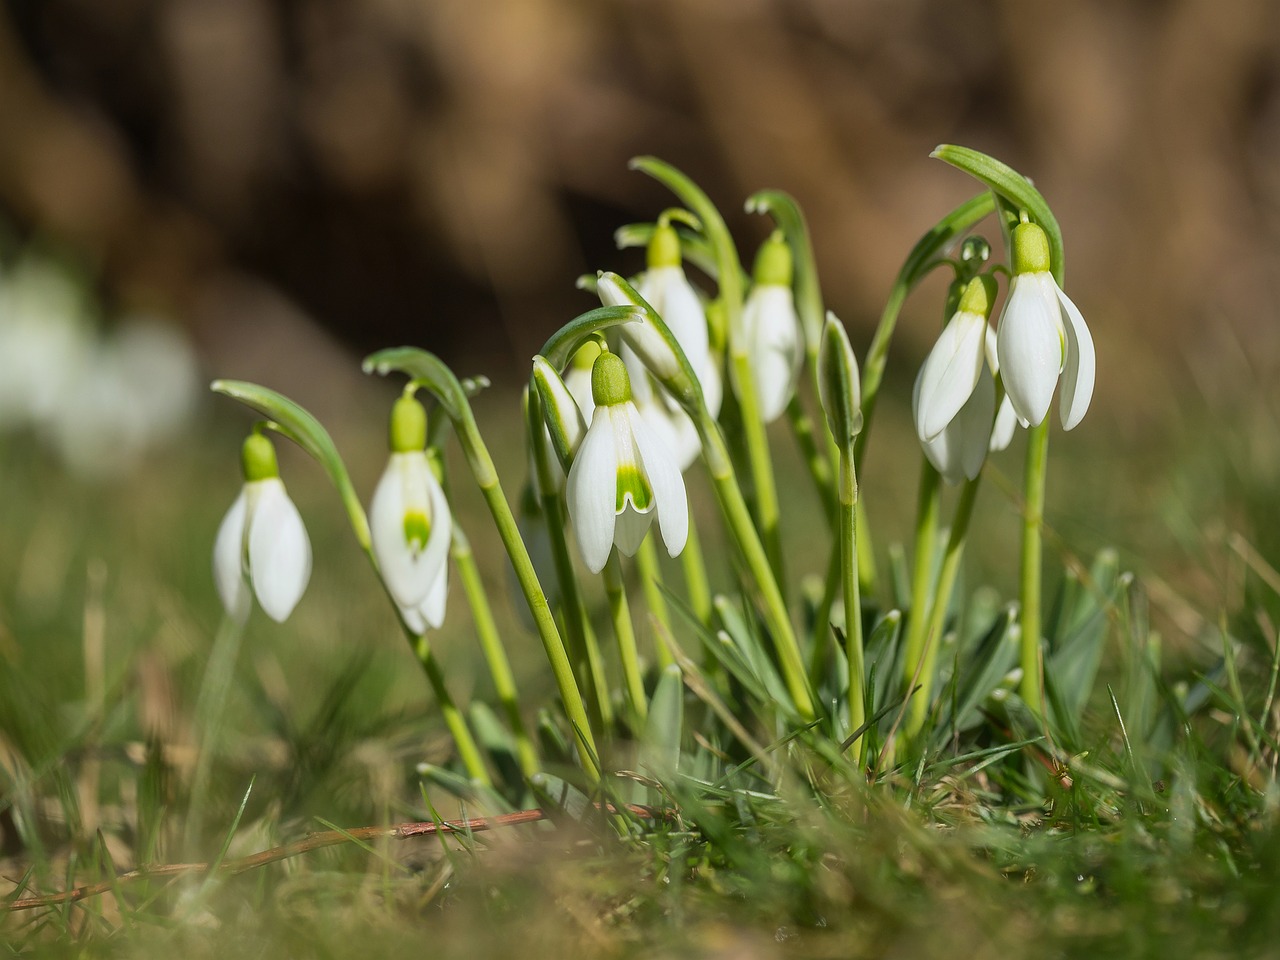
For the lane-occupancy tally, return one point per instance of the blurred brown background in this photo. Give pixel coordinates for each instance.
(439, 171)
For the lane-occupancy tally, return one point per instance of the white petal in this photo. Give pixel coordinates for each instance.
(951, 372)
(1006, 424)
(433, 607)
(772, 331)
(592, 489)
(414, 620)
(279, 551)
(1029, 342)
(712, 385)
(228, 562)
(667, 485)
(670, 293)
(1077, 375)
(577, 381)
(403, 487)
(972, 426)
(630, 526)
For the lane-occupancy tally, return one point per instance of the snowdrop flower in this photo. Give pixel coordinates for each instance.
(672, 426)
(1042, 336)
(410, 523)
(772, 329)
(261, 542)
(622, 477)
(954, 399)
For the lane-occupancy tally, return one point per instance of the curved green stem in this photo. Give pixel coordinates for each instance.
(941, 603)
(495, 653)
(1030, 571)
(650, 572)
(624, 633)
(852, 600)
(468, 752)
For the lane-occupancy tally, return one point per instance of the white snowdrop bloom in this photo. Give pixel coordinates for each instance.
(954, 366)
(1006, 419)
(262, 542)
(771, 328)
(410, 523)
(960, 448)
(622, 476)
(1042, 337)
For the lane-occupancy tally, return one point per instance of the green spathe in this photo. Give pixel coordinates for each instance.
(664, 247)
(1030, 249)
(408, 431)
(610, 384)
(980, 294)
(258, 458)
(774, 263)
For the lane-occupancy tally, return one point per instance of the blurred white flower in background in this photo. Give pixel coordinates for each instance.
(100, 400)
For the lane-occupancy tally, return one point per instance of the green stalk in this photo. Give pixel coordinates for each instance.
(1030, 571)
(494, 653)
(941, 601)
(587, 666)
(927, 504)
(738, 518)
(730, 282)
(695, 575)
(624, 633)
(651, 583)
(852, 601)
(453, 718)
(818, 465)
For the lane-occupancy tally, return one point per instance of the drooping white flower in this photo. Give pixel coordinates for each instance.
(1042, 336)
(262, 542)
(667, 419)
(410, 523)
(622, 476)
(960, 448)
(771, 328)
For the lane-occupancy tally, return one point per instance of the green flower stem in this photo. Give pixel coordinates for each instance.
(624, 633)
(941, 603)
(730, 281)
(1030, 571)
(587, 666)
(695, 575)
(818, 464)
(491, 643)
(852, 600)
(651, 583)
(928, 499)
(741, 528)
(453, 719)
(434, 374)
(821, 639)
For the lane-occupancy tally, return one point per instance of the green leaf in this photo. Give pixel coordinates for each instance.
(660, 743)
(1014, 187)
(981, 673)
(296, 423)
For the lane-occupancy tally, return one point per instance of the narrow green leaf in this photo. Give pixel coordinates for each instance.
(1014, 187)
(660, 744)
(565, 341)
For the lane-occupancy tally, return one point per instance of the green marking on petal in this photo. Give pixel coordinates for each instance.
(417, 528)
(632, 481)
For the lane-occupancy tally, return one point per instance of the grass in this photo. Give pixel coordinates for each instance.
(1143, 823)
